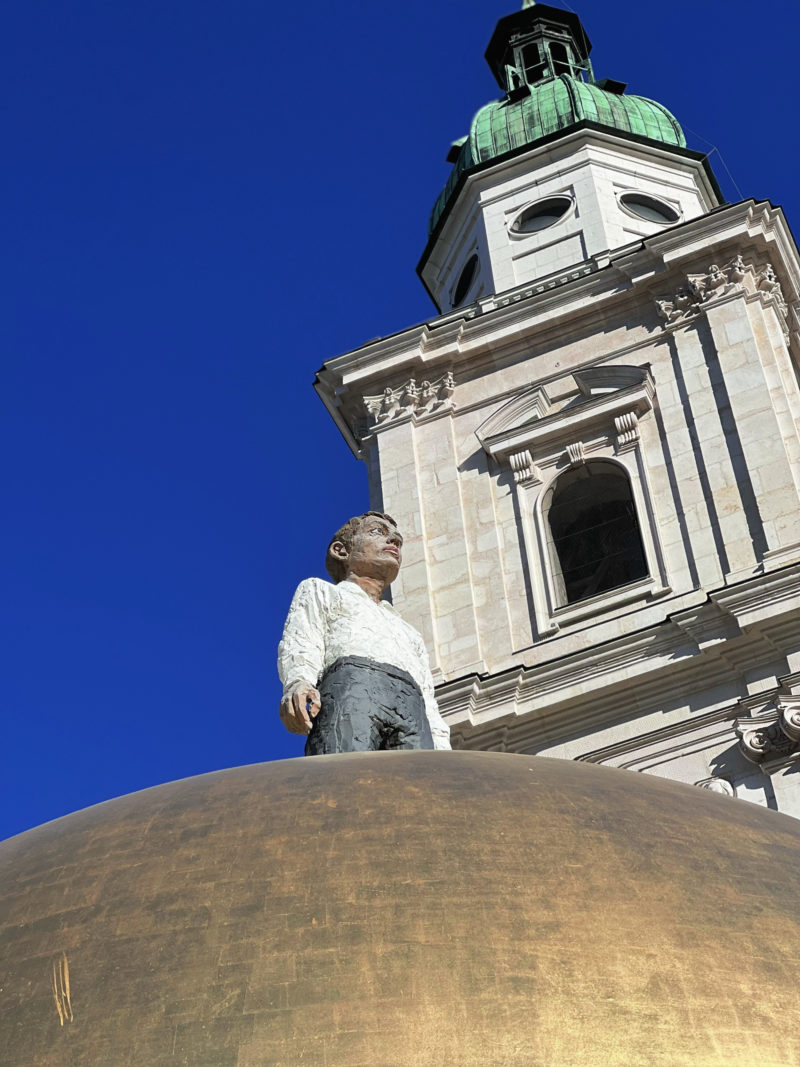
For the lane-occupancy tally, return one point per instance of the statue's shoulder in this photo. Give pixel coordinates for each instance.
(315, 589)
(315, 583)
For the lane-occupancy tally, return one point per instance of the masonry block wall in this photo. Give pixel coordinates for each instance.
(673, 362)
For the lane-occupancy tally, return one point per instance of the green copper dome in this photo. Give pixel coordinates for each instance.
(506, 125)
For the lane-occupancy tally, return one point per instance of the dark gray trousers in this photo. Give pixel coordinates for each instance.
(366, 706)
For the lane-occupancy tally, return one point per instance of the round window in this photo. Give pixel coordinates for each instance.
(465, 280)
(542, 214)
(648, 207)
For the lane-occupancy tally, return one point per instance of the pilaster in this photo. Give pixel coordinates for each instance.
(455, 598)
(717, 525)
(765, 482)
(397, 458)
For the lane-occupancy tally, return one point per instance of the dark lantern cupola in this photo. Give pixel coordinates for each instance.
(535, 43)
(559, 169)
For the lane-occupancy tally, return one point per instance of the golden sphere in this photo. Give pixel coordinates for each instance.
(404, 909)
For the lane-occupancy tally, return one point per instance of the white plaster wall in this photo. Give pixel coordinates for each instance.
(593, 170)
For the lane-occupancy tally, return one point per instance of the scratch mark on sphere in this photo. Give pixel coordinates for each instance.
(61, 993)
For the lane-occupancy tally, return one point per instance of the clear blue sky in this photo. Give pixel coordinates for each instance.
(202, 201)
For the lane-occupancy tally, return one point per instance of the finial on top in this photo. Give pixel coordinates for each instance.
(528, 3)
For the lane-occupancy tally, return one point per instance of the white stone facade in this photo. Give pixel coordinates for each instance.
(673, 360)
(590, 169)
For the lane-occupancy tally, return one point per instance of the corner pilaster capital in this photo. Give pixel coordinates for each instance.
(700, 291)
(771, 736)
(411, 399)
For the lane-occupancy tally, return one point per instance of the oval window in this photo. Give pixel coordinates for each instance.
(542, 214)
(465, 280)
(648, 207)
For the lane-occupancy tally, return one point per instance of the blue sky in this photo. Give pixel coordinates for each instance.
(202, 201)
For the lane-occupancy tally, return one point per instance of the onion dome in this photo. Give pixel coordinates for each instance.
(540, 56)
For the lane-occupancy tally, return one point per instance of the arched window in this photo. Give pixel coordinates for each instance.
(595, 543)
(560, 58)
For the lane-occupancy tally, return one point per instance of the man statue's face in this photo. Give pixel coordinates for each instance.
(377, 550)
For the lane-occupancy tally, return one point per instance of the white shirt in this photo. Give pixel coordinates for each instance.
(326, 622)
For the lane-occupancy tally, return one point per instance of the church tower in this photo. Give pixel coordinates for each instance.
(593, 449)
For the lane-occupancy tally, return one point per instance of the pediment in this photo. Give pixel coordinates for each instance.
(600, 381)
(578, 398)
(530, 406)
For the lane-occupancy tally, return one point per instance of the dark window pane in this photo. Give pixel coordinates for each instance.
(560, 58)
(647, 207)
(540, 216)
(533, 68)
(595, 532)
(465, 280)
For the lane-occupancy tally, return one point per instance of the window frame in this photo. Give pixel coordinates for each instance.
(560, 613)
(550, 495)
(660, 202)
(539, 444)
(568, 213)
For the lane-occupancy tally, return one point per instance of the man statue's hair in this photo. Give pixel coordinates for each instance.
(335, 567)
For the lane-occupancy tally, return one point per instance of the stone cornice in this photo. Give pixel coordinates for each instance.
(643, 748)
(773, 593)
(554, 698)
(507, 325)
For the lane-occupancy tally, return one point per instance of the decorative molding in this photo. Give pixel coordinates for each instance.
(410, 399)
(531, 422)
(627, 427)
(547, 284)
(576, 454)
(530, 406)
(718, 785)
(682, 306)
(775, 593)
(525, 473)
(540, 435)
(771, 736)
(550, 697)
(762, 739)
(688, 300)
(790, 717)
(606, 379)
(646, 751)
(474, 337)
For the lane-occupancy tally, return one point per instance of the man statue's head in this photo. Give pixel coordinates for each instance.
(368, 546)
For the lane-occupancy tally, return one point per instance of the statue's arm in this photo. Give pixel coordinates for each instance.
(440, 731)
(301, 655)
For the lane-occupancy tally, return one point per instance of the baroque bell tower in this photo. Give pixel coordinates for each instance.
(593, 448)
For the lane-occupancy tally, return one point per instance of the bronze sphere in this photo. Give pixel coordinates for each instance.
(404, 909)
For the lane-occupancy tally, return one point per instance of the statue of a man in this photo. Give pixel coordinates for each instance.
(356, 676)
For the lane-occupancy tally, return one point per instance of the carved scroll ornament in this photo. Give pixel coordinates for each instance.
(773, 734)
(718, 785)
(525, 471)
(576, 454)
(627, 427)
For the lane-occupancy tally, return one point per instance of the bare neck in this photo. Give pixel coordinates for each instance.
(373, 587)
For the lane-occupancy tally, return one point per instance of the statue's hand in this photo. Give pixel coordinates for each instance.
(299, 707)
